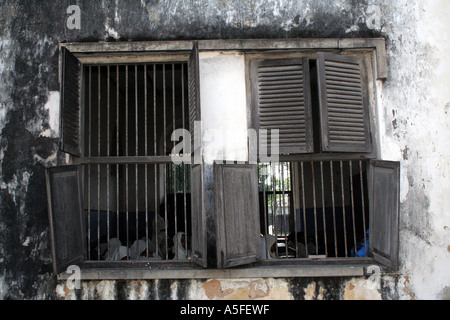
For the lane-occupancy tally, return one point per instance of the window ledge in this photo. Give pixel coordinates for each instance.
(193, 272)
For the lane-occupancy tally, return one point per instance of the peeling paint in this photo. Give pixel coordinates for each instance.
(412, 114)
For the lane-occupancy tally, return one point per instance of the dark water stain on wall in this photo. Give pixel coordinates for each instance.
(34, 30)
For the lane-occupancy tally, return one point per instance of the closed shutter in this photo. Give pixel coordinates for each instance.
(344, 111)
(198, 216)
(64, 194)
(283, 101)
(237, 214)
(70, 89)
(384, 188)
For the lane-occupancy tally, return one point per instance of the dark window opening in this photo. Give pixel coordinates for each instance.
(320, 209)
(137, 203)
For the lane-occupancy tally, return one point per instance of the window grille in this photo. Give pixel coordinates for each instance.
(314, 209)
(137, 201)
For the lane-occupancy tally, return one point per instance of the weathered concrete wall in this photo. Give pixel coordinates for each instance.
(413, 115)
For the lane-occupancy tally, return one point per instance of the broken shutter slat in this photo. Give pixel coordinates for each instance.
(344, 112)
(282, 91)
(384, 184)
(65, 209)
(237, 214)
(70, 88)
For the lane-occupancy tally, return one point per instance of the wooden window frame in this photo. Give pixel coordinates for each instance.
(134, 52)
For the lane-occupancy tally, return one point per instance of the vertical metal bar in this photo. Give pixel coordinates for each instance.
(174, 165)
(165, 165)
(283, 209)
(89, 166)
(334, 208)
(294, 202)
(363, 207)
(136, 117)
(155, 165)
(323, 210)
(126, 165)
(304, 208)
(98, 166)
(117, 154)
(343, 207)
(353, 206)
(107, 152)
(314, 204)
(184, 165)
(146, 154)
(266, 215)
(274, 208)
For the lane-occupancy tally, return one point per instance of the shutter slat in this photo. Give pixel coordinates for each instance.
(283, 103)
(70, 116)
(343, 104)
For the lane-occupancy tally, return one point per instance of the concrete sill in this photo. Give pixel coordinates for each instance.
(285, 271)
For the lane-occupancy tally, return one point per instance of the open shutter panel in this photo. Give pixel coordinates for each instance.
(343, 104)
(237, 214)
(283, 102)
(384, 177)
(194, 96)
(71, 75)
(64, 194)
(199, 238)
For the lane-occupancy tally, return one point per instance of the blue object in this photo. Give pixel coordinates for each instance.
(363, 249)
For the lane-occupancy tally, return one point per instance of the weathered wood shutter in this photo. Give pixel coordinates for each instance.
(384, 188)
(194, 96)
(70, 109)
(344, 112)
(65, 211)
(199, 232)
(282, 92)
(237, 214)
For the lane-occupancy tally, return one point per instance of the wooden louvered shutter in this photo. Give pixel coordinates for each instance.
(344, 112)
(237, 214)
(194, 97)
(198, 216)
(70, 109)
(65, 212)
(384, 195)
(283, 103)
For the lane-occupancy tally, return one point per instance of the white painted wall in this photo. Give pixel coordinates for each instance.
(414, 128)
(223, 106)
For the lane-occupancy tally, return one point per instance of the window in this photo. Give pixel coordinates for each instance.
(123, 201)
(315, 202)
